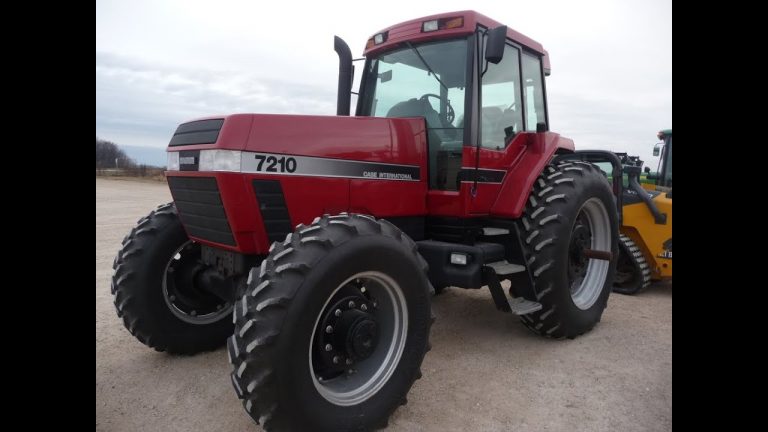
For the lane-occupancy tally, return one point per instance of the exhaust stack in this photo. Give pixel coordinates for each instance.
(346, 74)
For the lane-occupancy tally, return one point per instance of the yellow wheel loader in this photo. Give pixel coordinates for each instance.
(644, 211)
(645, 241)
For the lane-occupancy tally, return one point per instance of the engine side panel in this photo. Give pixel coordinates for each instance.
(295, 168)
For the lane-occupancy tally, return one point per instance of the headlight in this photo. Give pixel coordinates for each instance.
(220, 160)
(173, 161)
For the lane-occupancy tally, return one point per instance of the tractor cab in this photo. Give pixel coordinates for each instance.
(476, 83)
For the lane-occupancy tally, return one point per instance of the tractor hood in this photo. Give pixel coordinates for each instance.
(243, 181)
(364, 139)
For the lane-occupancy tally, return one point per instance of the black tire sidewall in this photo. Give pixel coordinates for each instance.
(155, 321)
(572, 317)
(296, 388)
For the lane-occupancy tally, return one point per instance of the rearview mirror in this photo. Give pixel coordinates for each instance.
(647, 170)
(494, 47)
(656, 150)
(385, 76)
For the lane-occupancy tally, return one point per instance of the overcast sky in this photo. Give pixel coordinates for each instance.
(160, 63)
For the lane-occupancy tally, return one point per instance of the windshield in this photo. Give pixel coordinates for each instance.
(420, 80)
(424, 80)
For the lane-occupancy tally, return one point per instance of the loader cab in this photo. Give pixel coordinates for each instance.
(666, 158)
(441, 72)
(664, 149)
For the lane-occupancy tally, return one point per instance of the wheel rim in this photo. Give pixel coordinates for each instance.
(184, 298)
(366, 338)
(586, 276)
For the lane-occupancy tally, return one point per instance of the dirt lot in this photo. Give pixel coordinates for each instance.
(486, 372)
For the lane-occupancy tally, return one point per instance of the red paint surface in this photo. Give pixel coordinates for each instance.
(401, 141)
(411, 31)
(539, 148)
(398, 141)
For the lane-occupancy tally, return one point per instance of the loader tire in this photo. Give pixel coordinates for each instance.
(633, 274)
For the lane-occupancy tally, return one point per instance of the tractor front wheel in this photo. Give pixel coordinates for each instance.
(333, 327)
(158, 293)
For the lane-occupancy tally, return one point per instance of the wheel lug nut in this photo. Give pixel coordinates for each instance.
(338, 312)
(172, 298)
(363, 307)
(170, 270)
(351, 304)
(375, 305)
(362, 289)
(329, 329)
(328, 347)
(193, 313)
(336, 359)
(349, 361)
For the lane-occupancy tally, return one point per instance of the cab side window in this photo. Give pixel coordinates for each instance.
(533, 89)
(501, 110)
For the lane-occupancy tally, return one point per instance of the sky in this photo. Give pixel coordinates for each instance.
(160, 63)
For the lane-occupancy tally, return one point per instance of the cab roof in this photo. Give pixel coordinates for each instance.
(411, 31)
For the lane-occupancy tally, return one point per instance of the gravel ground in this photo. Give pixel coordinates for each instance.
(486, 372)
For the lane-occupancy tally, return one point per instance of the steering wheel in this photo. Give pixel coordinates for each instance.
(450, 115)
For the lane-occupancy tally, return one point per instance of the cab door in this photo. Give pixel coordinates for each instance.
(511, 103)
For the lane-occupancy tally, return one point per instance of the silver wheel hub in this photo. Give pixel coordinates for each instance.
(358, 338)
(591, 230)
(184, 298)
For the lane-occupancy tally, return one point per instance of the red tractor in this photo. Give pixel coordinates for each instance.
(313, 244)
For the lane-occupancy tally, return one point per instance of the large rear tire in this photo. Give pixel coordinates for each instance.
(570, 209)
(155, 293)
(333, 327)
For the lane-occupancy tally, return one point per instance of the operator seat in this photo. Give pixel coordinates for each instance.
(495, 123)
(511, 119)
(492, 131)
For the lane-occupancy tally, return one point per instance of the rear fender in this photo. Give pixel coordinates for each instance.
(518, 182)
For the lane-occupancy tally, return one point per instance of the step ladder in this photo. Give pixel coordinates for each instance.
(492, 231)
(496, 271)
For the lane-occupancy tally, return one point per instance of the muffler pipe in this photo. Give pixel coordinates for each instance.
(346, 74)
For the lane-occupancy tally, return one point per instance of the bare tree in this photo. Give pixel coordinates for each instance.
(109, 155)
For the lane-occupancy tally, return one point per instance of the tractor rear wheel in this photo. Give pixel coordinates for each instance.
(333, 327)
(632, 271)
(157, 293)
(570, 210)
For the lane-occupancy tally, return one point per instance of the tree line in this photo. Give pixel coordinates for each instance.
(109, 155)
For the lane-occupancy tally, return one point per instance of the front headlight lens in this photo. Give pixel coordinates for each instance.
(173, 161)
(220, 160)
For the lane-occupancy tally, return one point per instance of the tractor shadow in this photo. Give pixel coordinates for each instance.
(471, 313)
(661, 288)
